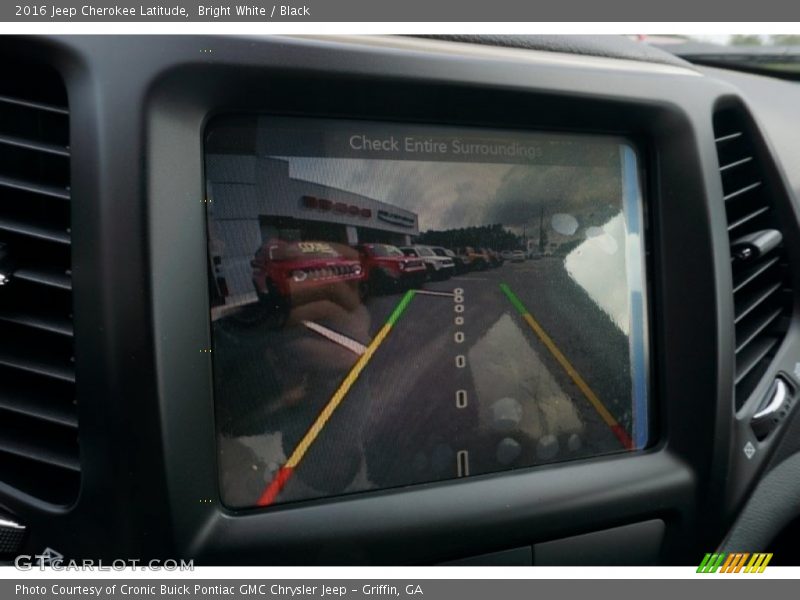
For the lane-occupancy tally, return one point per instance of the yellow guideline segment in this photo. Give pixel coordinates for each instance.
(573, 374)
(284, 473)
(337, 398)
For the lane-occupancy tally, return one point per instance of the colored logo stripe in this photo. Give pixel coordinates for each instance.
(612, 423)
(285, 472)
(758, 563)
(711, 562)
(738, 564)
(734, 562)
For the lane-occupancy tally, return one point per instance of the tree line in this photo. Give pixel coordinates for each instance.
(494, 236)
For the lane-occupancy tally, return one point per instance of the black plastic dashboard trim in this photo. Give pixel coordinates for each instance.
(411, 525)
(141, 305)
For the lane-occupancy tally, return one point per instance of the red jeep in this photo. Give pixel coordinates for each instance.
(387, 268)
(288, 274)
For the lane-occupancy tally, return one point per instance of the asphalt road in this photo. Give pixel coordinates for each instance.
(461, 385)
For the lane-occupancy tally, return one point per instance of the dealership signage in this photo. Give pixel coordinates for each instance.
(342, 208)
(353, 210)
(396, 219)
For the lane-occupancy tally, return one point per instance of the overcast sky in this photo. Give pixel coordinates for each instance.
(451, 195)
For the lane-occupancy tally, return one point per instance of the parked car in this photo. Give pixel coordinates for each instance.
(460, 265)
(387, 268)
(439, 267)
(513, 255)
(494, 257)
(473, 258)
(288, 274)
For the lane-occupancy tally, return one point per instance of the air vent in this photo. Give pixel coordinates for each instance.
(761, 284)
(38, 416)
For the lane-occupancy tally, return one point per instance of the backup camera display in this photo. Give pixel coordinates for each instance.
(398, 304)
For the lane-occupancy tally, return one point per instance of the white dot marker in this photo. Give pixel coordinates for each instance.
(461, 399)
(459, 308)
(459, 337)
(459, 320)
(461, 361)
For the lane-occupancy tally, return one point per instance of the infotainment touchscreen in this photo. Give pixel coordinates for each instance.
(398, 304)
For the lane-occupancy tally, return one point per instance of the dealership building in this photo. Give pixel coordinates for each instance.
(253, 199)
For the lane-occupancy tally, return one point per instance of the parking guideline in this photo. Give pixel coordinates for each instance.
(285, 472)
(598, 405)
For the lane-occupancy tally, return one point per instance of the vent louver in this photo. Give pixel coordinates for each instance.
(761, 284)
(38, 416)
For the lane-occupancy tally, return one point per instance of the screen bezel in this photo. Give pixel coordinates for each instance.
(633, 209)
(544, 504)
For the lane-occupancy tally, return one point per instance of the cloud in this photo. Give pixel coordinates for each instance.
(451, 195)
(443, 194)
(592, 192)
